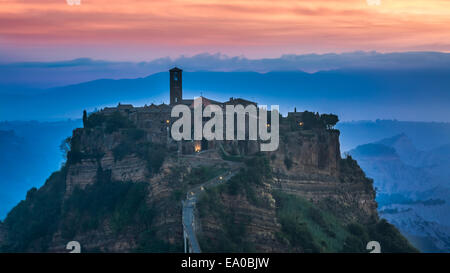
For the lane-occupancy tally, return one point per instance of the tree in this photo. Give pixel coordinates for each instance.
(64, 147)
(329, 120)
(85, 119)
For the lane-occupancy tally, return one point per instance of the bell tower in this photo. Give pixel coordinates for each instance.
(176, 90)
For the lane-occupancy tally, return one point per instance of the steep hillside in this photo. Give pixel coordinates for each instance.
(121, 191)
(287, 202)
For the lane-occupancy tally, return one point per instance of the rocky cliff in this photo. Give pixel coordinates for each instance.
(120, 191)
(308, 200)
(2, 233)
(308, 164)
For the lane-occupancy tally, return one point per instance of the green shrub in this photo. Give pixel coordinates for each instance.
(154, 154)
(298, 234)
(111, 123)
(94, 120)
(228, 157)
(233, 233)
(329, 120)
(387, 235)
(256, 171)
(123, 203)
(33, 221)
(293, 214)
(288, 162)
(390, 238)
(202, 174)
(123, 149)
(134, 134)
(149, 242)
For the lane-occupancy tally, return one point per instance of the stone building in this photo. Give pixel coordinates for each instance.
(156, 120)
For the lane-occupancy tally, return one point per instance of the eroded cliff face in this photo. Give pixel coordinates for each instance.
(257, 224)
(2, 233)
(118, 192)
(164, 210)
(96, 151)
(308, 151)
(129, 169)
(307, 164)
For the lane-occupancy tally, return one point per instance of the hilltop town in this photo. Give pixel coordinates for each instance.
(128, 186)
(156, 119)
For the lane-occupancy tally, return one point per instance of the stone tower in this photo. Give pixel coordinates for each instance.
(176, 90)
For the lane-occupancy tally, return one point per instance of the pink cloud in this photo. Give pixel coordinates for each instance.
(241, 27)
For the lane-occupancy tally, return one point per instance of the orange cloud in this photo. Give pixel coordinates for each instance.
(273, 27)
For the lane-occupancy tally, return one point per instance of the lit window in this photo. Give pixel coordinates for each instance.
(197, 147)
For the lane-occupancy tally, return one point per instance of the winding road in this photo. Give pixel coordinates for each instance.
(191, 244)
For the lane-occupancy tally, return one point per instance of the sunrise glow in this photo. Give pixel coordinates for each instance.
(256, 28)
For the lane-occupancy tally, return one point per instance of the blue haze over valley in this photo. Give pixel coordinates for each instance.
(394, 112)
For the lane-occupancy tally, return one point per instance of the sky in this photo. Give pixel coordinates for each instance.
(139, 30)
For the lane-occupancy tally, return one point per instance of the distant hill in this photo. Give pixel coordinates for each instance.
(68, 72)
(413, 188)
(13, 150)
(29, 153)
(350, 93)
(374, 150)
(390, 171)
(423, 135)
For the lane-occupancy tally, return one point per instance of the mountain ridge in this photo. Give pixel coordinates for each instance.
(347, 93)
(412, 189)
